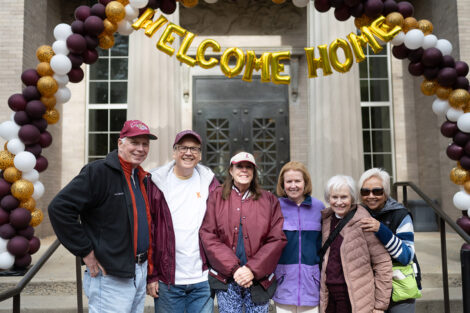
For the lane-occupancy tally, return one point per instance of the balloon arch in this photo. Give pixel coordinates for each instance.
(378, 21)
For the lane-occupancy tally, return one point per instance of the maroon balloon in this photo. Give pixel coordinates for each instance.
(22, 118)
(76, 43)
(461, 83)
(45, 139)
(465, 162)
(416, 69)
(405, 8)
(91, 42)
(76, 59)
(35, 149)
(98, 10)
(105, 2)
(27, 232)
(17, 102)
(342, 13)
(154, 4)
(40, 123)
(41, 164)
(431, 72)
(23, 261)
(7, 231)
(400, 51)
(75, 75)
(82, 12)
(464, 223)
(461, 138)
(9, 203)
(373, 8)
(352, 3)
(447, 76)
(321, 5)
(416, 55)
(90, 56)
(4, 188)
(432, 57)
(461, 68)
(29, 134)
(78, 27)
(20, 218)
(358, 10)
(18, 246)
(35, 109)
(34, 245)
(454, 152)
(448, 61)
(94, 25)
(4, 216)
(30, 77)
(389, 7)
(31, 93)
(168, 6)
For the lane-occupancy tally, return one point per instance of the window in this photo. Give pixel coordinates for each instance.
(107, 98)
(376, 109)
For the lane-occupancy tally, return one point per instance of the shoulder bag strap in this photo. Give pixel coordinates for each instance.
(335, 233)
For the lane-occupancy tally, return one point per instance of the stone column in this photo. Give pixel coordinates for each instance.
(153, 90)
(335, 141)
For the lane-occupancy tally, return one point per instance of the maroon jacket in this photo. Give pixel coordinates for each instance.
(163, 243)
(264, 239)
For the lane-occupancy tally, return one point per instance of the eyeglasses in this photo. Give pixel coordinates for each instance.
(184, 149)
(375, 191)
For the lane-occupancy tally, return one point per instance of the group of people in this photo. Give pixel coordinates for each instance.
(179, 236)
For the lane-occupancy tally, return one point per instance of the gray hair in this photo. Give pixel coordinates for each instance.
(380, 174)
(337, 182)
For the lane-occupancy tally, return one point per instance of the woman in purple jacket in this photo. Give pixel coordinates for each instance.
(297, 272)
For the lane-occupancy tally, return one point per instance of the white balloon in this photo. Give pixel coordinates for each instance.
(131, 13)
(61, 64)
(463, 123)
(453, 114)
(15, 146)
(62, 31)
(300, 3)
(125, 28)
(138, 4)
(444, 46)
(440, 107)
(63, 95)
(398, 39)
(38, 190)
(461, 200)
(32, 176)
(62, 80)
(60, 47)
(3, 245)
(414, 39)
(25, 161)
(6, 260)
(9, 130)
(211, 1)
(429, 41)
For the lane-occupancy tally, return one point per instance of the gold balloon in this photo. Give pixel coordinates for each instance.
(49, 102)
(29, 204)
(52, 116)
(443, 92)
(409, 23)
(5, 146)
(364, 20)
(44, 69)
(428, 87)
(181, 55)
(459, 176)
(36, 217)
(201, 50)
(106, 41)
(6, 159)
(425, 26)
(11, 174)
(22, 189)
(394, 19)
(123, 2)
(279, 1)
(332, 52)
(115, 11)
(237, 53)
(45, 53)
(278, 67)
(459, 98)
(47, 86)
(189, 3)
(109, 27)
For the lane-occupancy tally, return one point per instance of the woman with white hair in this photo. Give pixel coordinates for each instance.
(390, 222)
(356, 270)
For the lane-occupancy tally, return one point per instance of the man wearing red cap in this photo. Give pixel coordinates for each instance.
(178, 197)
(103, 216)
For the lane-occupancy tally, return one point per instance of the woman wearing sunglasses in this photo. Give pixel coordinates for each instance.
(375, 197)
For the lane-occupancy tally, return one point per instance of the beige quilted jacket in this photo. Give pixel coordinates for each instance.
(366, 264)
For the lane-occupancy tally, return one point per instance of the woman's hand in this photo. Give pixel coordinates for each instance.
(370, 224)
(244, 277)
(152, 289)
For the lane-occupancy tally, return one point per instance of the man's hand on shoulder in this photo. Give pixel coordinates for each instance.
(93, 265)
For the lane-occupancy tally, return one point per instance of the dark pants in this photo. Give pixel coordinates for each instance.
(338, 299)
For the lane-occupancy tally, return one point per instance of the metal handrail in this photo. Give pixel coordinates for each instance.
(443, 219)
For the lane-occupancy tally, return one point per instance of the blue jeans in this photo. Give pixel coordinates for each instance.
(111, 294)
(235, 298)
(193, 298)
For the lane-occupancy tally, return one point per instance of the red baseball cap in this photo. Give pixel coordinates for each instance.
(243, 157)
(187, 132)
(133, 128)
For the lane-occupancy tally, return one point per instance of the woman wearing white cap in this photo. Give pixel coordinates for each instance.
(243, 239)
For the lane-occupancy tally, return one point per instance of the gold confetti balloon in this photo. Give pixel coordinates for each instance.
(52, 116)
(49, 102)
(363, 20)
(428, 87)
(425, 26)
(11, 174)
(409, 23)
(106, 41)
(109, 27)
(459, 98)
(45, 53)
(189, 3)
(22, 189)
(394, 19)
(443, 92)
(47, 86)
(44, 69)
(29, 204)
(123, 2)
(459, 176)
(115, 11)
(5, 146)
(36, 217)
(6, 159)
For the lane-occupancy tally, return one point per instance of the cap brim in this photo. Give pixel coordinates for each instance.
(152, 137)
(236, 162)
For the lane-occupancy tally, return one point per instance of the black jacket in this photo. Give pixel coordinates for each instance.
(100, 196)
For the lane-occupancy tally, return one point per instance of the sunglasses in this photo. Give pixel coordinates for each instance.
(375, 191)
